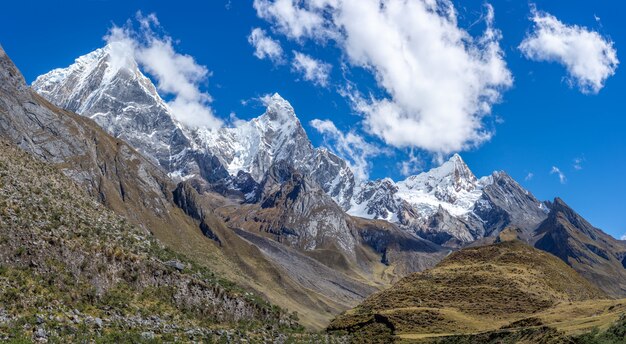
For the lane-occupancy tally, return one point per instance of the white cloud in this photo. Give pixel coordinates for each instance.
(291, 19)
(623, 237)
(588, 57)
(265, 47)
(578, 163)
(312, 70)
(529, 176)
(412, 165)
(176, 74)
(557, 171)
(439, 80)
(350, 146)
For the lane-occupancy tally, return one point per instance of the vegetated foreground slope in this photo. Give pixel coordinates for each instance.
(72, 270)
(504, 285)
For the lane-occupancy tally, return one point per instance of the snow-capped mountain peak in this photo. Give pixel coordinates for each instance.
(453, 174)
(452, 186)
(108, 86)
(252, 146)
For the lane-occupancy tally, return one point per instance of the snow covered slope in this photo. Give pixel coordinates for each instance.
(448, 204)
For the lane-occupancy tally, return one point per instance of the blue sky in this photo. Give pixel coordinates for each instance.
(540, 122)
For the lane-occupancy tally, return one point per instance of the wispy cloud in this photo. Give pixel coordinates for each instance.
(588, 57)
(412, 165)
(311, 69)
(561, 175)
(176, 74)
(578, 163)
(529, 176)
(350, 146)
(265, 47)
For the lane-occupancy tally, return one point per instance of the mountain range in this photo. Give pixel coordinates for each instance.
(259, 205)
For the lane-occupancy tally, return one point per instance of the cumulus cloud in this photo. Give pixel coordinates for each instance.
(561, 175)
(176, 74)
(440, 81)
(265, 47)
(588, 57)
(623, 237)
(312, 70)
(350, 146)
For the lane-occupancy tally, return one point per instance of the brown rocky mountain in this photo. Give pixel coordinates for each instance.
(594, 254)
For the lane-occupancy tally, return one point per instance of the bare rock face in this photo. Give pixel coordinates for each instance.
(297, 211)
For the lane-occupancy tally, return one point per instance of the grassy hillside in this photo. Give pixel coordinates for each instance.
(71, 270)
(508, 286)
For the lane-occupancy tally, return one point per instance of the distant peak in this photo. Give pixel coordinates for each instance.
(279, 110)
(456, 158)
(277, 97)
(454, 165)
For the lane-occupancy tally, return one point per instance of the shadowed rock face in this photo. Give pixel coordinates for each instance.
(591, 252)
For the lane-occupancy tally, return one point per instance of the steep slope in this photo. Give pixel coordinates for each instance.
(70, 270)
(474, 290)
(594, 254)
(108, 168)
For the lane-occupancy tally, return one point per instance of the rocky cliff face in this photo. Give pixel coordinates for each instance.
(110, 169)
